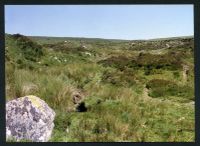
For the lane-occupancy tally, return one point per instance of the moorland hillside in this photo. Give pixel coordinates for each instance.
(130, 90)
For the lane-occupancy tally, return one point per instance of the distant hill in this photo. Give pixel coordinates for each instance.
(172, 38)
(91, 43)
(102, 39)
(46, 39)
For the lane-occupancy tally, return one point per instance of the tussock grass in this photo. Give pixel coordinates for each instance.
(112, 81)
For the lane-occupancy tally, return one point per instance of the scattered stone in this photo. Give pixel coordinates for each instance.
(77, 97)
(155, 44)
(132, 44)
(87, 53)
(84, 47)
(67, 130)
(167, 45)
(29, 118)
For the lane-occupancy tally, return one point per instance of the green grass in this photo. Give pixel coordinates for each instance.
(112, 81)
(165, 88)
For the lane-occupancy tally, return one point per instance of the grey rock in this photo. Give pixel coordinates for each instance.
(29, 118)
(77, 97)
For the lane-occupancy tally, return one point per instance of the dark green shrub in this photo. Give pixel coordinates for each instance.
(66, 48)
(157, 92)
(166, 61)
(147, 61)
(158, 83)
(118, 78)
(119, 62)
(164, 88)
(30, 50)
(147, 71)
(176, 74)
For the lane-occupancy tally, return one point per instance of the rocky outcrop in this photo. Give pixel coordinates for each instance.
(29, 118)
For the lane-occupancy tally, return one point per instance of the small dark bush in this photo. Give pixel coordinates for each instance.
(118, 78)
(176, 74)
(158, 83)
(119, 62)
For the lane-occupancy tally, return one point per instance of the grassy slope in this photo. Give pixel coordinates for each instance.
(120, 107)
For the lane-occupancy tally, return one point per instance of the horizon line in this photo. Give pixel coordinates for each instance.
(104, 38)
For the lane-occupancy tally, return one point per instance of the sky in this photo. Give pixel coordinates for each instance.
(128, 22)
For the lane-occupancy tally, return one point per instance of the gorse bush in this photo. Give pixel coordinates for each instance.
(30, 50)
(23, 52)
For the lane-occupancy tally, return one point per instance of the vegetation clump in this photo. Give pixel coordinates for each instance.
(22, 52)
(66, 48)
(30, 50)
(166, 61)
(119, 78)
(146, 61)
(165, 88)
(124, 89)
(119, 62)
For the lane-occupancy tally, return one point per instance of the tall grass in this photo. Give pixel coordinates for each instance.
(113, 94)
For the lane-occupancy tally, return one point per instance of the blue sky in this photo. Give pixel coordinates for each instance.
(100, 21)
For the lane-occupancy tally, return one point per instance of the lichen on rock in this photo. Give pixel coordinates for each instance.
(29, 118)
